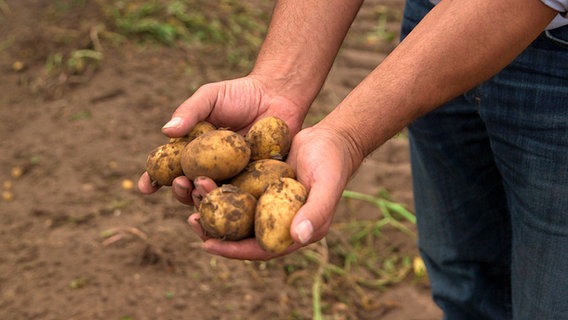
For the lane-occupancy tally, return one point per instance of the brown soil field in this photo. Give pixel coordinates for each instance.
(82, 103)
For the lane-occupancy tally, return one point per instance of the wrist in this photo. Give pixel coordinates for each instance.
(345, 141)
(286, 80)
(301, 44)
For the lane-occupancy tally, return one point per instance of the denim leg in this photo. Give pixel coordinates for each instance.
(525, 109)
(490, 172)
(462, 217)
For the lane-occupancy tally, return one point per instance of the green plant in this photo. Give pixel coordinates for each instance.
(389, 209)
(349, 256)
(78, 59)
(381, 32)
(78, 283)
(233, 28)
(66, 5)
(176, 20)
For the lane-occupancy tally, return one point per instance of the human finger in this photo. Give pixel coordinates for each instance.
(145, 184)
(313, 220)
(194, 109)
(193, 221)
(325, 178)
(202, 186)
(246, 249)
(182, 188)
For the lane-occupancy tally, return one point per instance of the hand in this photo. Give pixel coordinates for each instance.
(323, 163)
(234, 104)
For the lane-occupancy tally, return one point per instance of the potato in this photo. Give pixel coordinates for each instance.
(199, 129)
(258, 174)
(269, 138)
(227, 213)
(218, 154)
(275, 210)
(164, 163)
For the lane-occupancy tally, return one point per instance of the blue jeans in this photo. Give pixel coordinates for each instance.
(490, 174)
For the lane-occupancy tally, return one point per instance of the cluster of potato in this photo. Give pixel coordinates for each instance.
(258, 194)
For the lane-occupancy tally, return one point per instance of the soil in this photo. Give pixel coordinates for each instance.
(78, 241)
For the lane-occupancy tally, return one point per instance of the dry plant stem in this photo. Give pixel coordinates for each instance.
(257, 278)
(386, 280)
(94, 35)
(116, 234)
(4, 8)
(316, 287)
(112, 239)
(322, 259)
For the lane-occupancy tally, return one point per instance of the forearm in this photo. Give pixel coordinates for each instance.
(302, 42)
(457, 46)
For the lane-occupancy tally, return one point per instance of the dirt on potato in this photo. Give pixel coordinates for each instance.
(269, 138)
(275, 210)
(259, 174)
(164, 163)
(218, 154)
(228, 213)
(85, 90)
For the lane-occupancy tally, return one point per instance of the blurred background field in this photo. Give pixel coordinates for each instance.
(85, 89)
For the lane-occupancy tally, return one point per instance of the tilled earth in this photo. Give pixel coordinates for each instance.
(77, 241)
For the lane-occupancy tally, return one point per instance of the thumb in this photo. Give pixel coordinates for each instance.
(311, 223)
(196, 108)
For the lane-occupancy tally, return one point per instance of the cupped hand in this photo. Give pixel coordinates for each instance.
(233, 104)
(320, 157)
(323, 163)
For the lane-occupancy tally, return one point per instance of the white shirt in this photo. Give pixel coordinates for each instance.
(562, 18)
(559, 5)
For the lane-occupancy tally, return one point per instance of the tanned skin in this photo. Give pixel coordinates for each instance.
(458, 45)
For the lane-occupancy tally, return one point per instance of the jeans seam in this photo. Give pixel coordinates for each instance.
(556, 40)
(477, 99)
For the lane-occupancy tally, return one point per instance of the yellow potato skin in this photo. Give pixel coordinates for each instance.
(274, 213)
(199, 129)
(258, 174)
(269, 138)
(228, 213)
(218, 154)
(164, 163)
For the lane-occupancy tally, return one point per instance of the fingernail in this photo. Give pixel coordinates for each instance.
(173, 123)
(196, 182)
(304, 231)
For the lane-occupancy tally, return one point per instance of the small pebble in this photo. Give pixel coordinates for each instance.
(7, 196)
(127, 184)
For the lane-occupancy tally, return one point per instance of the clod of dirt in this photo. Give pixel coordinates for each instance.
(153, 255)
